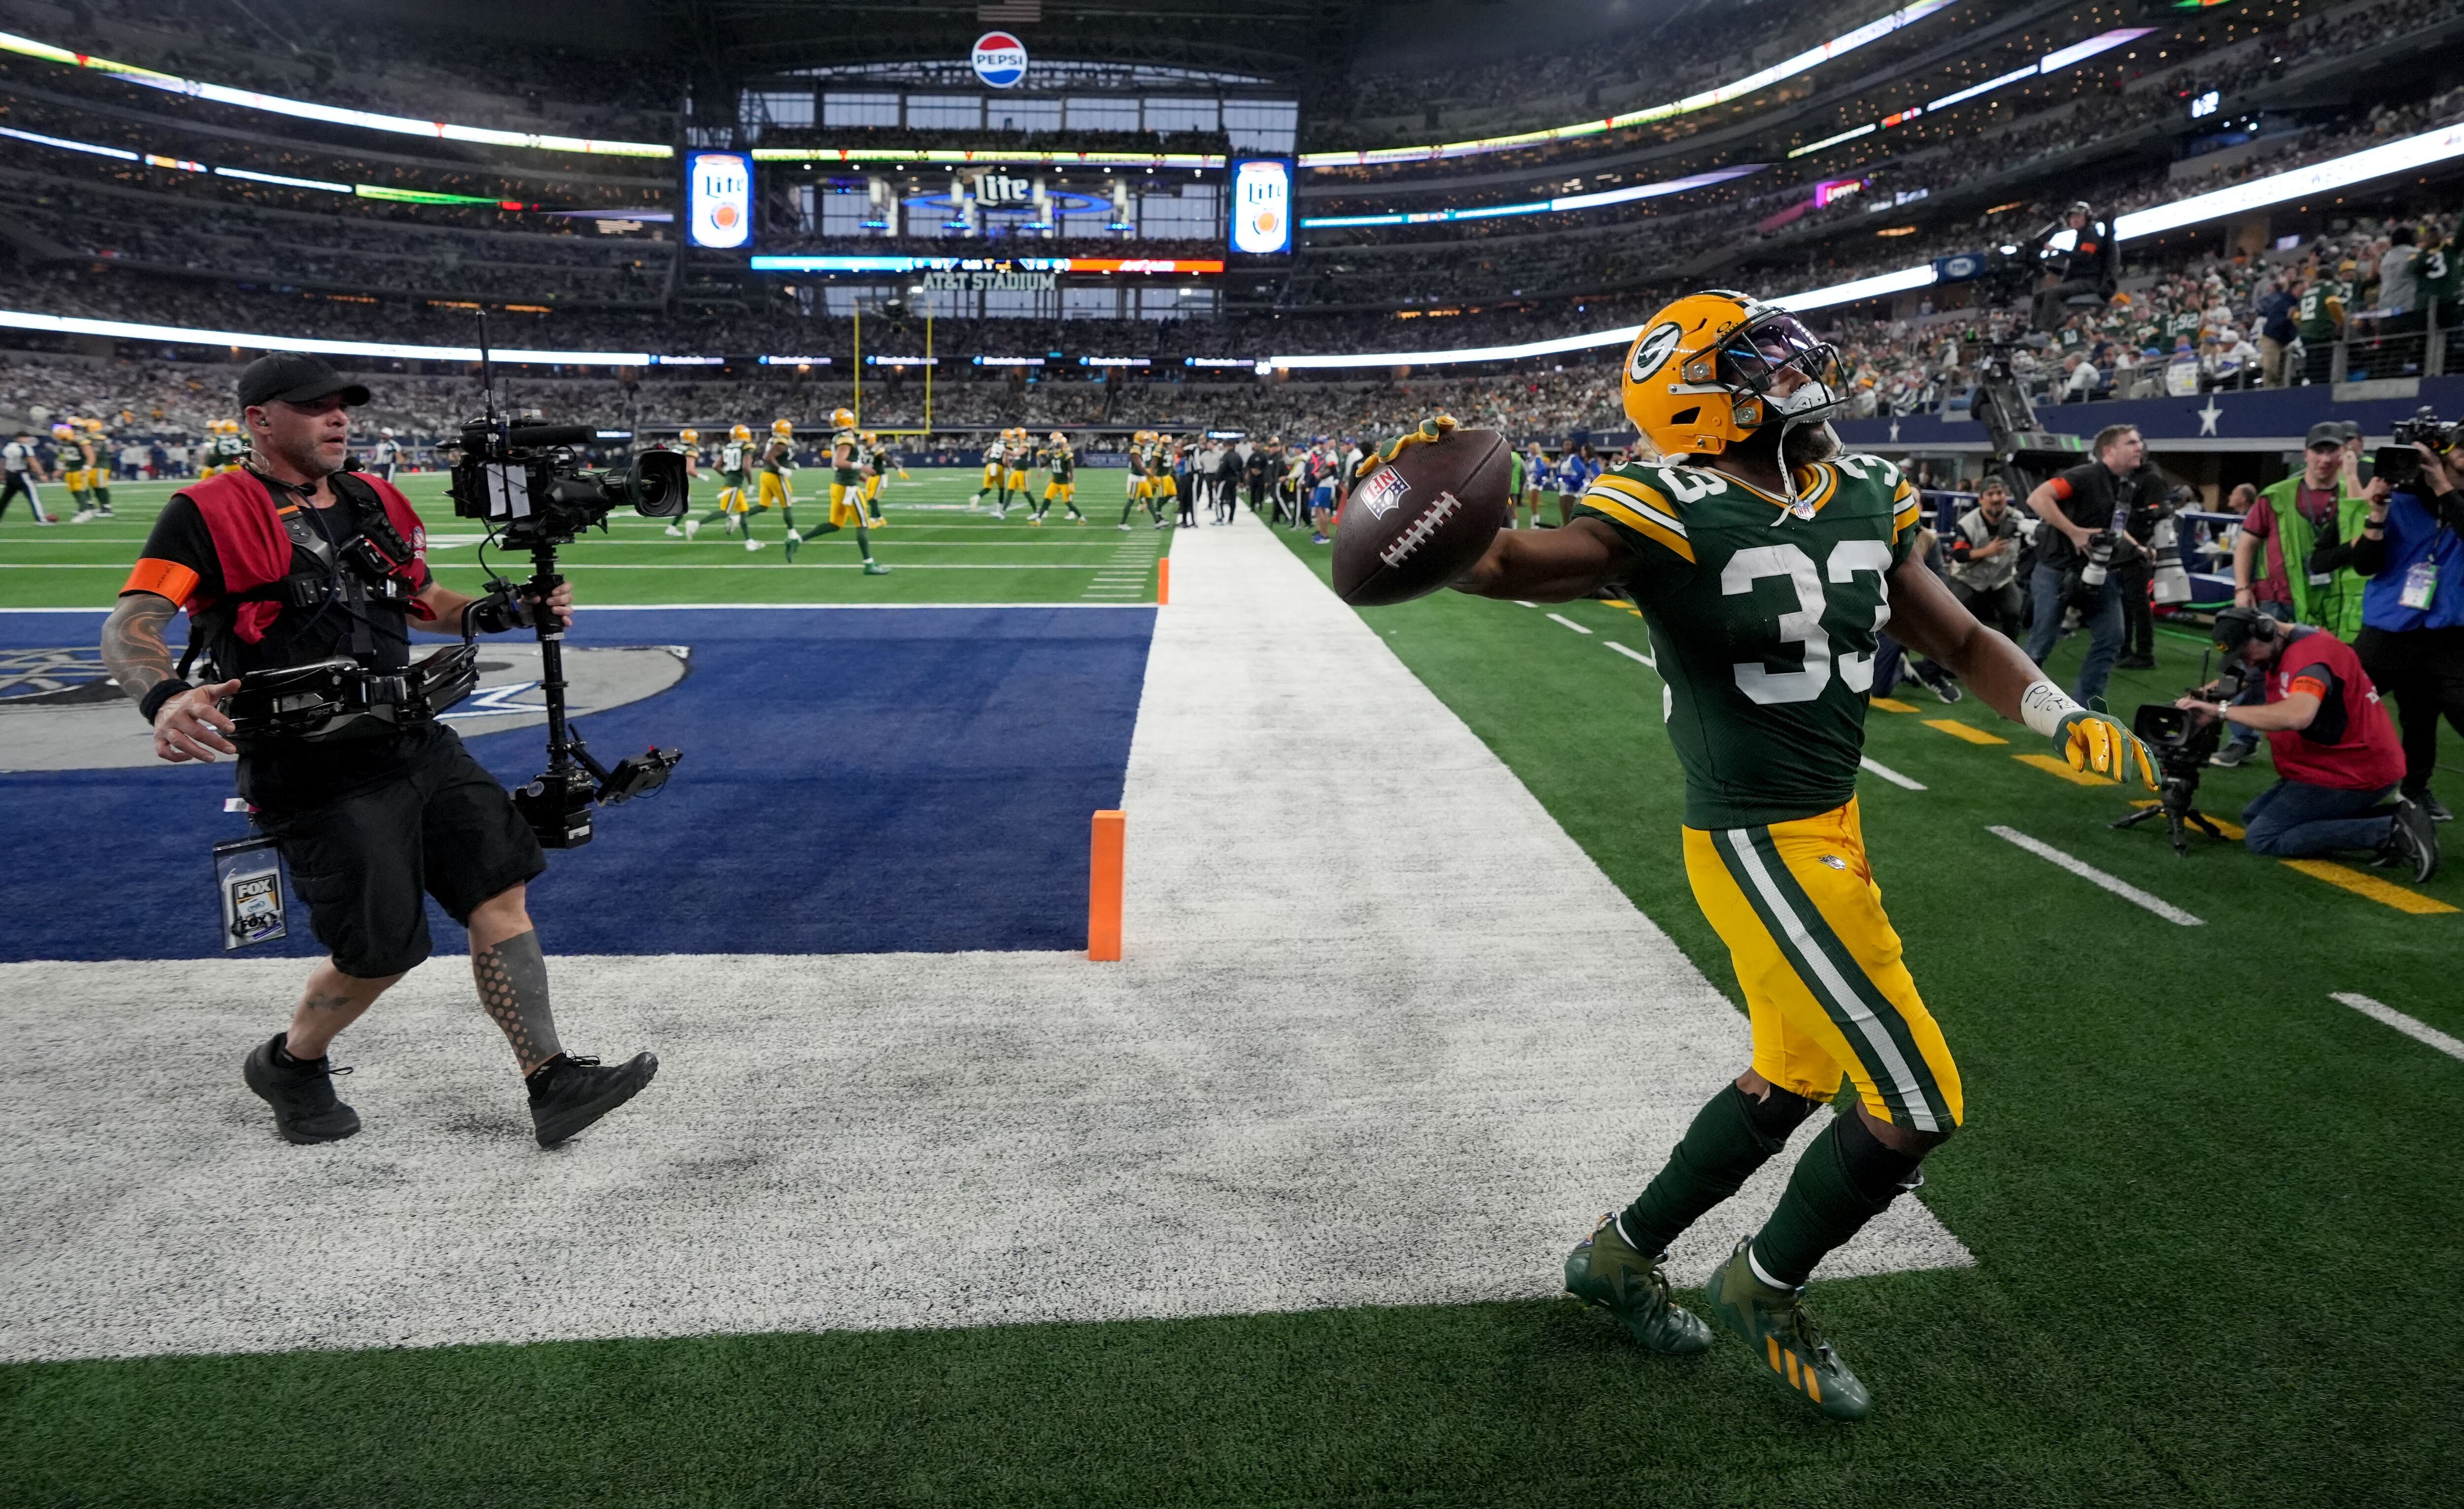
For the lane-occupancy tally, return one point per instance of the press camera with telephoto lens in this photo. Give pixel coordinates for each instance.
(2181, 742)
(529, 484)
(2396, 462)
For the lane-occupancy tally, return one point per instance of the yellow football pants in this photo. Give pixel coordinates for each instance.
(1015, 480)
(1819, 962)
(871, 488)
(992, 476)
(847, 504)
(774, 491)
(1064, 490)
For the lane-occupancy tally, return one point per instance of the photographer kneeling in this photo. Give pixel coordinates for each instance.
(2337, 759)
(289, 561)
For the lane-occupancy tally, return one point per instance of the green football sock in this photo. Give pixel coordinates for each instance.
(1720, 1150)
(1846, 1179)
(103, 497)
(864, 543)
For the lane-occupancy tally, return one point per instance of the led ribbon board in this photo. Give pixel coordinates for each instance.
(986, 157)
(829, 263)
(1540, 207)
(2060, 57)
(409, 196)
(719, 200)
(2413, 152)
(1787, 68)
(1261, 206)
(305, 110)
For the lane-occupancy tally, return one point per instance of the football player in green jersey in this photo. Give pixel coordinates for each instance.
(1766, 562)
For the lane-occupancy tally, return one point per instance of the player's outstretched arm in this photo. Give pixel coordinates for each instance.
(1549, 565)
(1927, 618)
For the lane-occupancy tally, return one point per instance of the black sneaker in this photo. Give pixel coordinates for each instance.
(2430, 803)
(300, 1091)
(1945, 685)
(2411, 843)
(2135, 662)
(2233, 755)
(568, 1093)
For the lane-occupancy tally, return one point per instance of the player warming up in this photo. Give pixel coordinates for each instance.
(1766, 562)
(846, 492)
(1062, 466)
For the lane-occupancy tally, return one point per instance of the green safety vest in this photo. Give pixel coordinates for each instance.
(2335, 603)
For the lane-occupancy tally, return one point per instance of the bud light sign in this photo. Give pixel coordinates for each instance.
(1262, 206)
(1001, 59)
(719, 199)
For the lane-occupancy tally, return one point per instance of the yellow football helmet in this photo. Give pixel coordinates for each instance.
(1704, 374)
(1055, 437)
(684, 437)
(63, 431)
(740, 434)
(870, 438)
(781, 428)
(843, 419)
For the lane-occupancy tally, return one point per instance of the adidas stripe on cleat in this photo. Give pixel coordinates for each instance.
(1773, 1320)
(1606, 1270)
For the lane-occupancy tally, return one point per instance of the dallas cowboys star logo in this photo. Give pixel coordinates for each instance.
(2209, 416)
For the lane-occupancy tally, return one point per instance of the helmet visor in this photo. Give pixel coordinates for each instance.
(1754, 358)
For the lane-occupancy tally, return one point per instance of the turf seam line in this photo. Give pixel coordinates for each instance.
(2417, 1030)
(2090, 873)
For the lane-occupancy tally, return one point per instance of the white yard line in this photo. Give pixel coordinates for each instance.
(2412, 1027)
(1635, 655)
(1568, 623)
(2089, 872)
(1887, 773)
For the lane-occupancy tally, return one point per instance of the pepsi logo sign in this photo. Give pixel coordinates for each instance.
(1001, 59)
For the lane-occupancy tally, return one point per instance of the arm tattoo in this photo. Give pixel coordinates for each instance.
(512, 990)
(132, 650)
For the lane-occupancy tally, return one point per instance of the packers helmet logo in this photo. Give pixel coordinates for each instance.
(1655, 348)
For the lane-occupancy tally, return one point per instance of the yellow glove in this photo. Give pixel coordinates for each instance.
(1435, 428)
(2098, 743)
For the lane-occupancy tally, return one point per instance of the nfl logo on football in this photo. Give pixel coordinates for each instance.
(1384, 489)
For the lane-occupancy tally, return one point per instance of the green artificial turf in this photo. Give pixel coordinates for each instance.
(936, 551)
(2213, 1213)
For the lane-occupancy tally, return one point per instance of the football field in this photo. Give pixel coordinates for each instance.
(1270, 1216)
(938, 552)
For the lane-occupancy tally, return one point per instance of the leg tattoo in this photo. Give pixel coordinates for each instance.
(512, 990)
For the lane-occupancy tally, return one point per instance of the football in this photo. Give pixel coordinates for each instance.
(1417, 522)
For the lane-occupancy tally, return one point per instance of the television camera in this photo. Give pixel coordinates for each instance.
(2181, 742)
(530, 486)
(2397, 461)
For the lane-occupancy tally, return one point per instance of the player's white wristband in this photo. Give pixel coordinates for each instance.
(2043, 706)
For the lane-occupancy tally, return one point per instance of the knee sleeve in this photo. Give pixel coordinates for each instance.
(1731, 1136)
(1775, 1115)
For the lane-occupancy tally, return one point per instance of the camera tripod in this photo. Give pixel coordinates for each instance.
(2173, 805)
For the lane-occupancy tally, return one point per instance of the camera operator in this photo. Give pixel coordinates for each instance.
(2409, 551)
(2079, 508)
(1985, 548)
(291, 560)
(2337, 759)
(2092, 265)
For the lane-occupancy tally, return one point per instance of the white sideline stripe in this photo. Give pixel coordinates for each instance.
(1635, 655)
(1889, 774)
(2412, 1027)
(1569, 622)
(1225, 1122)
(2089, 872)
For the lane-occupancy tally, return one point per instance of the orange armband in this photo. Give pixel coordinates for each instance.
(165, 579)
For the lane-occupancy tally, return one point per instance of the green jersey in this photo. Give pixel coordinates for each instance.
(845, 442)
(2442, 275)
(1763, 623)
(2320, 311)
(1065, 464)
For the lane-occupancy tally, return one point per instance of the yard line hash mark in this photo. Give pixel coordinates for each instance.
(2090, 873)
(2412, 1027)
(1569, 622)
(1890, 775)
(1635, 655)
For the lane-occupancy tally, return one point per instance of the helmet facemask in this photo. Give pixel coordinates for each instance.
(1756, 364)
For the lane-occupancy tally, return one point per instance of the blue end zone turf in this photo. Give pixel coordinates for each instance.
(856, 782)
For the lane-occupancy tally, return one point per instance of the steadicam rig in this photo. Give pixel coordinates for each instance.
(528, 484)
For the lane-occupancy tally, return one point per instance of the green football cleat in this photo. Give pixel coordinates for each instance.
(1604, 1269)
(1775, 1322)
(874, 568)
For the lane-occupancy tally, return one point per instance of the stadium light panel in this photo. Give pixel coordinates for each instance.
(1539, 207)
(67, 145)
(1785, 69)
(182, 335)
(987, 157)
(306, 110)
(408, 196)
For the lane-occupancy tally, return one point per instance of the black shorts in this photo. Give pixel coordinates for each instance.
(444, 827)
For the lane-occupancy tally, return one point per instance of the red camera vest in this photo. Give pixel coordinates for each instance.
(253, 547)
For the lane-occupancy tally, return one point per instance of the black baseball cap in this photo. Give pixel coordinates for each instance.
(2325, 432)
(295, 377)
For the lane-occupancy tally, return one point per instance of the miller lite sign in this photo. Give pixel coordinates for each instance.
(1001, 59)
(719, 199)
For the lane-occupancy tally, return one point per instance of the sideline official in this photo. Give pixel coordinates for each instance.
(289, 561)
